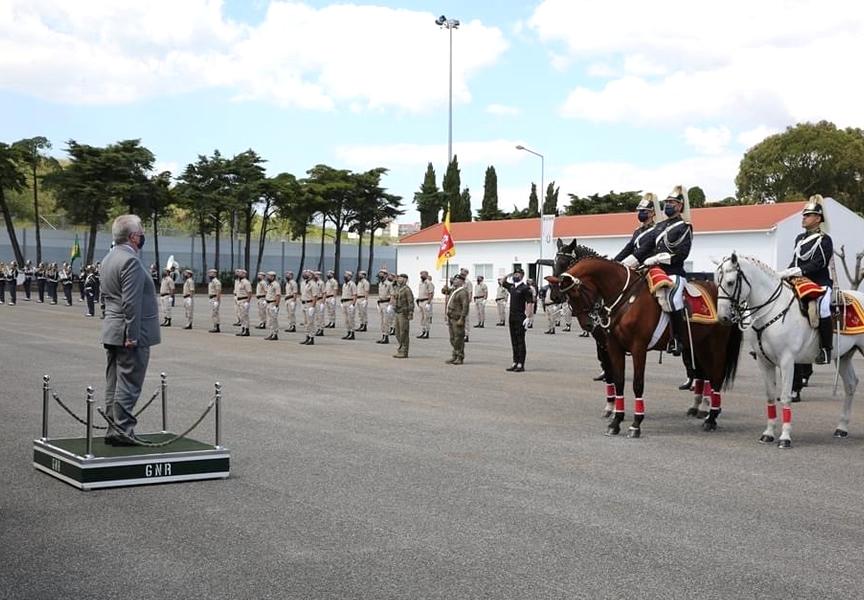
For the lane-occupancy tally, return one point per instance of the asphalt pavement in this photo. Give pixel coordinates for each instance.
(357, 475)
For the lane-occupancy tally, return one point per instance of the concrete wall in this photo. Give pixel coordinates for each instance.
(56, 246)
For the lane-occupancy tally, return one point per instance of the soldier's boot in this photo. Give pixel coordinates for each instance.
(306, 341)
(237, 324)
(457, 361)
(679, 330)
(311, 341)
(245, 332)
(422, 335)
(347, 336)
(364, 327)
(319, 333)
(331, 325)
(272, 337)
(466, 338)
(261, 326)
(825, 341)
(188, 326)
(215, 329)
(392, 331)
(567, 328)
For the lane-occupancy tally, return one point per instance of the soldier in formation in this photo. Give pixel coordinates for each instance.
(319, 303)
(362, 301)
(65, 276)
(425, 294)
(166, 288)
(273, 296)
(41, 279)
(11, 277)
(385, 289)
(188, 297)
(481, 294)
(403, 307)
(469, 287)
(90, 290)
(349, 303)
(308, 299)
(458, 305)
(214, 295)
(52, 280)
(261, 299)
(501, 303)
(331, 292)
(29, 274)
(290, 297)
(242, 297)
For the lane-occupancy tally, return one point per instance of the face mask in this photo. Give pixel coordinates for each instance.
(517, 278)
(643, 215)
(141, 241)
(669, 209)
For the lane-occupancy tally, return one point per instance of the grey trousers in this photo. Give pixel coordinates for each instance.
(124, 377)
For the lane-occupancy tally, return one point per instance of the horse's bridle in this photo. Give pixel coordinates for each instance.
(741, 311)
(597, 304)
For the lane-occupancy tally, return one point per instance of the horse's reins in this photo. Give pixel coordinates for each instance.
(600, 304)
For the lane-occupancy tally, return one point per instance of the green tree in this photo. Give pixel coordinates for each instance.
(428, 199)
(334, 188)
(550, 202)
(159, 200)
(32, 155)
(201, 193)
(489, 209)
(696, 197)
(451, 186)
(804, 160)
(273, 194)
(597, 204)
(533, 203)
(12, 179)
(298, 211)
(243, 177)
(374, 208)
(462, 212)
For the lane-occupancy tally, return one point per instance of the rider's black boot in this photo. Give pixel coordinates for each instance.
(825, 335)
(679, 330)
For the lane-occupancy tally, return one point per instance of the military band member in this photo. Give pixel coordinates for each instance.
(90, 290)
(458, 306)
(65, 277)
(331, 292)
(12, 282)
(97, 271)
(274, 299)
(261, 299)
(501, 303)
(481, 294)
(29, 273)
(349, 303)
(188, 296)
(242, 298)
(308, 299)
(425, 294)
(53, 279)
(82, 275)
(41, 279)
(166, 288)
(385, 290)
(363, 288)
(291, 293)
(2, 282)
(214, 295)
(403, 307)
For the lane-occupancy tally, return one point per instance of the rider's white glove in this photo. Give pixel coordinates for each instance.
(790, 272)
(631, 261)
(661, 258)
(651, 260)
(526, 322)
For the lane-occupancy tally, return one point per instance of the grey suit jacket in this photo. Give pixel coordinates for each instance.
(131, 309)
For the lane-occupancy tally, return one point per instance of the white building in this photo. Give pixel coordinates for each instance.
(494, 248)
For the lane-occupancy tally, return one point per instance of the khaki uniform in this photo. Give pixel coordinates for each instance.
(385, 290)
(331, 292)
(481, 293)
(567, 314)
(319, 305)
(214, 293)
(189, 299)
(403, 304)
(552, 310)
(349, 293)
(166, 288)
(363, 301)
(272, 297)
(425, 293)
(457, 316)
(261, 300)
(470, 287)
(242, 295)
(308, 294)
(291, 303)
(501, 302)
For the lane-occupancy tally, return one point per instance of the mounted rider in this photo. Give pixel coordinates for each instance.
(646, 211)
(811, 258)
(667, 245)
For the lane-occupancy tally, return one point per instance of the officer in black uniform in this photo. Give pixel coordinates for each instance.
(90, 290)
(41, 278)
(521, 307)
(646, 210)
(29, 271)
(811, 257)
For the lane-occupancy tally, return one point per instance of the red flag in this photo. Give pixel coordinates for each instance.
(447, 249)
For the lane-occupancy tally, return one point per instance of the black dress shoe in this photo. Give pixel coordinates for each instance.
(511, 367)
(519, 369)
(600, 377)
(686, 385)
(187, 327)
(120, 440)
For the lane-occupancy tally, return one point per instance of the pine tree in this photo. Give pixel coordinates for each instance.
(550, 202)
(489, 210)
(428, 199)
(533, 204)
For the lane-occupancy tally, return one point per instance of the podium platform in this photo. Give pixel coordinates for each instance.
(116, 466)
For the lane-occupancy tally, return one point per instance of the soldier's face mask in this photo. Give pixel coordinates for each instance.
(643, 215)
(670, 209)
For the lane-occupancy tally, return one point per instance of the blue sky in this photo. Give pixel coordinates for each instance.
(625, 96)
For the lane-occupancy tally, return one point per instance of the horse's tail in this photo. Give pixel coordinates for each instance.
(733, 351)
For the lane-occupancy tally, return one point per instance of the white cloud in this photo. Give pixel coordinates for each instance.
(483, 153)
(748, 63)
(711, 140)
(502, 110)
(117, 51)
(753, 136)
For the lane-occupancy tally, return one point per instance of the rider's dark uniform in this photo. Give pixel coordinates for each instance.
(640, 237)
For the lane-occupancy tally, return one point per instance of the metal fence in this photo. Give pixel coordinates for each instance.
(278, 255)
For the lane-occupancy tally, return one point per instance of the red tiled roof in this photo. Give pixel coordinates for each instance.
(757, 217)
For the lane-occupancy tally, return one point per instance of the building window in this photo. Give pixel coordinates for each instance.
(484, 270)
(442, 274)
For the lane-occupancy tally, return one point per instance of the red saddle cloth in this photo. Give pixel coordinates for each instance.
(700, 304)
(850, 316)
(805, 289)
(657, 279)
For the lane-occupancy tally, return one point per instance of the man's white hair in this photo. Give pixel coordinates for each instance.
(124, 226)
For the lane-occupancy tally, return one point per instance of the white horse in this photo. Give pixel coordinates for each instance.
(750, 293)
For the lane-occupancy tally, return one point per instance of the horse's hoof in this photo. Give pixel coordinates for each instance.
(709, 425)
(839, 433)
(613, 431)
(634, 432)
(766, 439)
(691, 412)
(784, 444)
(607, 413)
(701, 414)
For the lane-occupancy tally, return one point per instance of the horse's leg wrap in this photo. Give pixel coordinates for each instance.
(610, 400)
(768, 434)
(705, 401)
(697, 397)
(615, 423)
(638, 416)
(711, 420)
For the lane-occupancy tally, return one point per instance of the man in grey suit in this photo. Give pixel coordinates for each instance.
(130, 327)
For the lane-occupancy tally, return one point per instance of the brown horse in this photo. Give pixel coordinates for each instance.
(617, 300)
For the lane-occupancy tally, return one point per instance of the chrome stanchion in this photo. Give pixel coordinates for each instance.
(46, 394)
(164, 402)
(218, 415)
(90, 401)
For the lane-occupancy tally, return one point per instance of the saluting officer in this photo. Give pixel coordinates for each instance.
(362, 301)
(349, 303)
(273, 297)
(261, 299)
(291, 292)
(521, 308)
(214, 294)
(188, 296)
(425, 294)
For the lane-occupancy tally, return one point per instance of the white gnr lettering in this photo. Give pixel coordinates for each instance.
(158, 470)
(55, 464)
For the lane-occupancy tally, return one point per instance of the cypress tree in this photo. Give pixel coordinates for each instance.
(489, 210)
(533, 203)
(428, 199)
(451, 186)
(550, 202)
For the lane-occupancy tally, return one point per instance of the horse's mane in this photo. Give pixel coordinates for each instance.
(769, 270)
(579, 252)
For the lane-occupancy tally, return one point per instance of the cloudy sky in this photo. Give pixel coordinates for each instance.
(617, 95)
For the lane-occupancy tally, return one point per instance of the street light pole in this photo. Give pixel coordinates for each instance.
(450, 25)
(542, 198)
